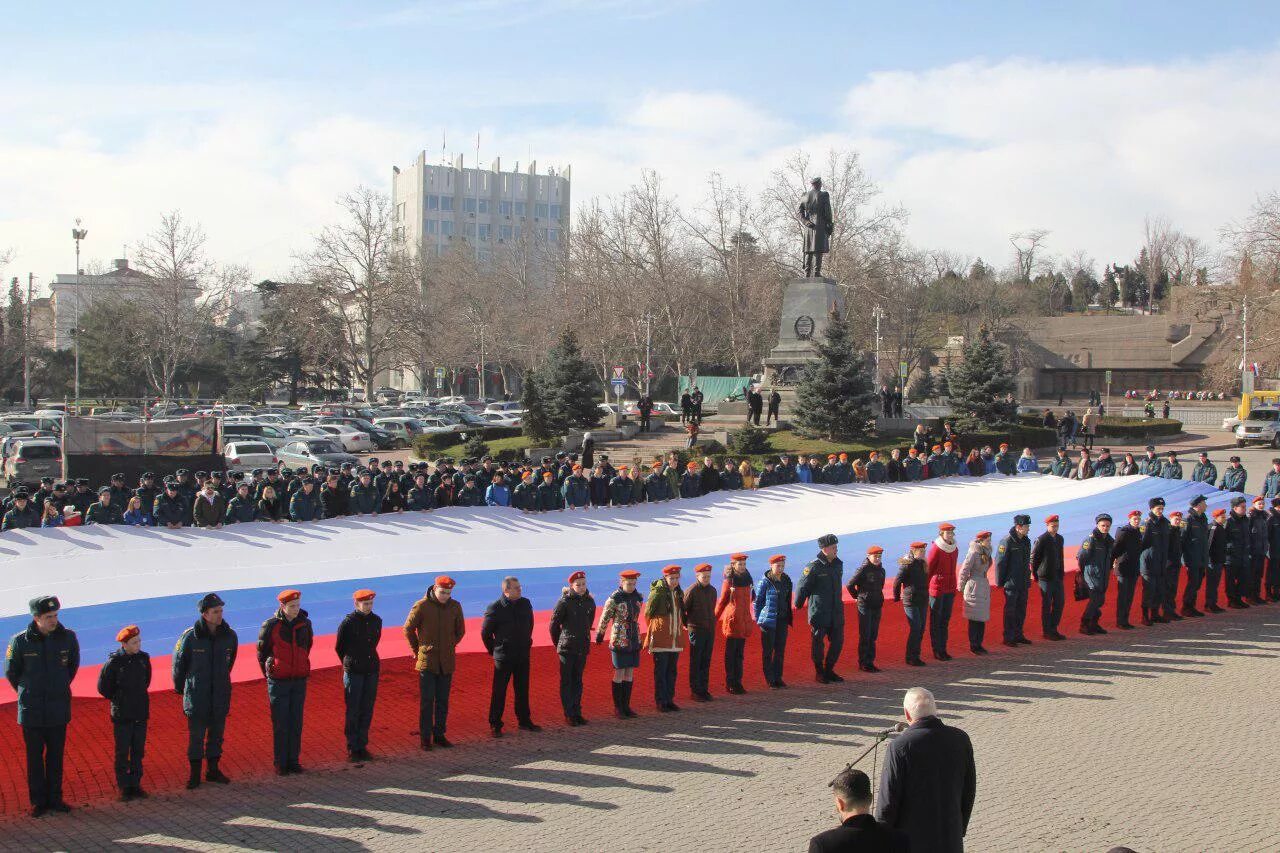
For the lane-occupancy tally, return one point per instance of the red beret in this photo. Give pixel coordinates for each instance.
(946, 444)
(918, 545)
(1175, 514)
(364, 595)
(657, 466)
(945, 526)
(1136, 512)
(546, 475)
(777, 558)
(1050, 519)
(671, 570)
(875, 549)
(701, 567)
(830, 456)
(629, 574)
(288, 595)
(127, 633)
(738, 556)
(937, 448)
(913, 452)
(1260, 500)
(577, 575)
(983, 534)
(1004, 446)
(577, 467)
(444, 582)
(1219, 513)
(844, 455)
(692, 466)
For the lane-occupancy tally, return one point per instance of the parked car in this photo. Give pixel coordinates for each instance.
(351, 439)
(31, 459)
(510, 406)
(660, 409)
(437, 426)
(247, 455)
(315, 451)
(380, 438)
(303, 430)
(1262, 426)
(402, 429)
(503, 419)
(270, 433)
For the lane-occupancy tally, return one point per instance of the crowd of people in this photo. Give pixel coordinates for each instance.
(1151, 553)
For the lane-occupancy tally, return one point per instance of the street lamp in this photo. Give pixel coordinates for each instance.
(77, 234)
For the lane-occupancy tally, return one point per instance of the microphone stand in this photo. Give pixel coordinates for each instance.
(873, 750)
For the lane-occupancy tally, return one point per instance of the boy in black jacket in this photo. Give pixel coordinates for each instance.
(357, 647)
(124, 679)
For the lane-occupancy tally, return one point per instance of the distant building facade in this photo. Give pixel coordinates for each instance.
(73, 295)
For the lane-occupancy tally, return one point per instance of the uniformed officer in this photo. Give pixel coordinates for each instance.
(1217, 558)
(1151, 464)
(124, 680)
(911, 587)
(1105, 466)
(1172, 468)
(1049, 568)
(1172, 570)
(912, 469)
(1195, 554)
(876, 472)
(1013, 575)
(1235, 477)
(284, 656)
(106, 510)
(1238, 553)
(1273, 548)
(1152, 562)
(1061, 465)
(1258, 519)
(40, 664)
(571, 622)
(822, 588)
(170, 510)
(867, 588)
(202, 663)
(357, 646)
(1271, 485)
(22, 514)
(1125, 559)
(1204, 471)
(1094, 560)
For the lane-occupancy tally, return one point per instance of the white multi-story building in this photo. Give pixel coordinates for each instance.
(72, 295)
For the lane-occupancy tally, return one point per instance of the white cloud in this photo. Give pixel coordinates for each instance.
(974, 151)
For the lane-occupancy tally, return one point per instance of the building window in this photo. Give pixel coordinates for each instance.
(446, 202)
(555, 211)
(521, 208)
(540, 211)
(506, 183)
(504, 208)
(517, 232)
(446, 227)
(430, 226)
(483, 231)
(400, 212)
(552, 235)
(433, 202)
(504, 232)
(484, 205)
(469, 230)
(468, 205)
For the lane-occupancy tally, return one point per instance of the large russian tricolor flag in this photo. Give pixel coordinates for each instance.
(108, 577)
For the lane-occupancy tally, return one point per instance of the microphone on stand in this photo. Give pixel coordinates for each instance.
(899, 728)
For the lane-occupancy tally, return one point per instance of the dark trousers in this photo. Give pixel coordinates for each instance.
(701, 643)
(830, 637)
(735, 649)
(287, 697)
(1015, 612)
(1052, 597)
(664, 677)
(1257, 565)
(1125, 590)
(977, 632)
(1152, 590)
(1171, 577)
(571, 668)
(45, 745)
(359, 691)
(773, 642)
(204, 736)
(868, 630)
(1093, 608)
(917, 616)
(644, 421)
(1212, 575)
(753, 417)
(433, 703)
(131, 743)
(940, 620)
(1195, 576)
(1236, 574)
(1273, 573)
(517, 672)
(772, 416)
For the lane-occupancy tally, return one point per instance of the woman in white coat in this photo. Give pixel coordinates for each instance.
(975, 589)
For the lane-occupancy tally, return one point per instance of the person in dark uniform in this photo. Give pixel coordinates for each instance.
(1234, 477)
(773, 613)
(1273, 548)
(1093, 558)
(645, 407)
(507, 634)
(571, 622)
(859, 831)
(1258, 519)
(775, 400)
(284, 656)
(1047, 564)
(202, 663)
(22, 514)
(867, 588)
(1125, 560)
(822, 588)
(1172, 570)
(124, 680)
(1216, 559)
(911, 587)
(700, 621)
(1013, 575)
(1151, 563)
(1195, 554)
(1238, 542)
(40, 664)
(356, 644)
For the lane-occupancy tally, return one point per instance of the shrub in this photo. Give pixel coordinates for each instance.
(749, 441)
(476, 447)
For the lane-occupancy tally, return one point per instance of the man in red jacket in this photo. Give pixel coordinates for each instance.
(941, 565)
(284, 654)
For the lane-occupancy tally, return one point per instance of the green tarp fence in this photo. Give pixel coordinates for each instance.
(716, 388)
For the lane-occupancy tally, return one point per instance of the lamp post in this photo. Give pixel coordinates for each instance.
(77, 234)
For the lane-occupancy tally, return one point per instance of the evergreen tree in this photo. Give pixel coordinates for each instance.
(835, 396)
(923, 387)
(1110, 294)
(535, 412)
(981, 384)
(568, 387)
(1083, 288)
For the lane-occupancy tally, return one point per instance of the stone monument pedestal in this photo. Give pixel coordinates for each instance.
(807, 304)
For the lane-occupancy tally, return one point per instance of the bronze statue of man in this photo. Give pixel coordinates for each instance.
(819, 222)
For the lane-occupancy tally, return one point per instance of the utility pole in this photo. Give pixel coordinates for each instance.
(77, 234)
(1244, 346)
(648, 343)
(878, 313)
(26, 348)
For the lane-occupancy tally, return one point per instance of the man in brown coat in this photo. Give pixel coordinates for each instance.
(434, 628)
(209, 508)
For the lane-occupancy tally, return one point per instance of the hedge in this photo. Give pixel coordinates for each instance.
(429, 446)
(1118, 427)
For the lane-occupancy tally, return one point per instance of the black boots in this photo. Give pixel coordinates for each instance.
(213, 774)
(193, 781)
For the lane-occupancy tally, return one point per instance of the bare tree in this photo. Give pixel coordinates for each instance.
(1028, 257)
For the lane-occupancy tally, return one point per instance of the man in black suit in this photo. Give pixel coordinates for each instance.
(929, 779)
(858, 831)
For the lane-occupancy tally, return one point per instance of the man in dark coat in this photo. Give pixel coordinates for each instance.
(1195, 554)
(1125, 558)
(123, 680)
(1013, 575)
(1047, 565)
(507, 634)
(929, 780)
(775, 400)
(822, 589)
(40, 664)
(755, 405)
(357, 646)
(571, 622)
(1151, 564)
(1238, 545)
(1094, 560)
(202, 663)
(858, 830)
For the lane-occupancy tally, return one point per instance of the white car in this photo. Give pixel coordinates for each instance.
(503, 419)
(247, 455)
(510, 406)
(1261, 427)
(660, 409)
(304, 430)
(352, 439)
(437, 426)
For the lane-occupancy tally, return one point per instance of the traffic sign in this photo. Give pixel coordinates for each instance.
(902, 369)
(619, 385)
(618, 373)
(439, 374)
(1108, 377)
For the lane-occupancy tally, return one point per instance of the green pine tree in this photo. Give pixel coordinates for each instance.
(1110, 290)
(835, 396)
(568, 387)
(923, 387)
(535, 411)
(980, 385)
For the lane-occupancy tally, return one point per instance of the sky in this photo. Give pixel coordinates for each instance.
(980, 118)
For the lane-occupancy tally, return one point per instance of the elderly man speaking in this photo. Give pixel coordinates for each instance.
(929, 780)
